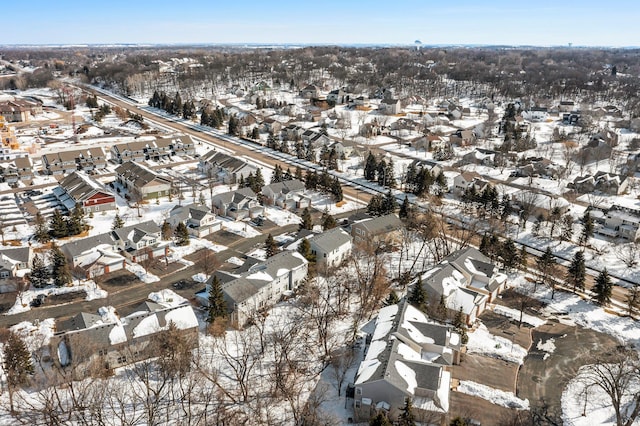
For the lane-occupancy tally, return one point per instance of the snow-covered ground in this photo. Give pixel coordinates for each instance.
(482, 342)
(495, 396)
(516, 315)
(24, 299)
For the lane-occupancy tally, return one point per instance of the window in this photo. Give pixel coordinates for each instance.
(358, 391)
(4, 274)
(122, 359)
(357, 404)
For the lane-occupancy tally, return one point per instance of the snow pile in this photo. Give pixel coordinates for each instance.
(515, 314)
(549, 347)
(482, 342)
(495, 396)
(199, 277)
(141, 273)
(167, 298)
(261, 276)
(235, 261)
(179, 252)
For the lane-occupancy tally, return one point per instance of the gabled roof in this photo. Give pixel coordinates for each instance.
(135, 233)
(20, 254)
(262, 274)
(381, 224)
(285, 187)
(79, 322)
(239, 194)
(84, 245)
(81, 187)
(331, 240)
(139, 174)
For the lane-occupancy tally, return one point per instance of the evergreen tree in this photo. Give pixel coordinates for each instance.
(546, 266)
(566, 227)
(18, 365)
(587, 228)
(418, 296)
(298, 174)
(576, 272)
(233, 125)
(255, 134)
(41, 234)
(328, 222)
(484, 245)
(258, 181)
(205, 118)
(380, 419)
(509, 254)
(305, 249)
(307, 221)
(277, 174)
(217, 305)
(390, 180)
(117, 222)
(39, 273)
(182, 235)
(382, 173)
(603, 288)
(406, 417)
(270, 246)
(370, 167)
(376, 205)
(336, 190)
(390, 203)
(460, 326)
(60, 268)
(405, 208)
(76, 223)
(57, 225)
(458, 421)
(392, 299)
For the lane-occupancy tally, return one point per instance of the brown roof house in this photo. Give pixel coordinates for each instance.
(139, 180)
(377, 230)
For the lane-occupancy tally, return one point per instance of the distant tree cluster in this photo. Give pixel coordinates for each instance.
(174, 106)
(324, 182)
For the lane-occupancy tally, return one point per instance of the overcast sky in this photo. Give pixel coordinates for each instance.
(513, 22)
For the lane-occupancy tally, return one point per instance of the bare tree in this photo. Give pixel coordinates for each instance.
(627, 254)
(617, 375)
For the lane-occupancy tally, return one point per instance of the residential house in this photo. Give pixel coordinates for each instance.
(79, 188)
(141, 181)
(481, 156)
(539, 166)
(14, 112)
(224, 168)
(390, 106)
(66, 162)
(310, 92)
(407, 356)
(263, 285)
(182, 145)
(465, 280)
(463, 138)
(139, 242)
(381, 229)
(331, 247)
(603, 182)
(93, 256)
(88, 341)
(238, 204)
(538, 204)
(337, 97)
(617, 222)
(288, 194)
(129, 151)
(566, 106)
(9, 173)
(466, 180)
(24, 167)
(199, 219)
(15, 263)
(536, 114)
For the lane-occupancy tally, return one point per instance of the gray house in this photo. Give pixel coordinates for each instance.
(14, 264)
(407, 356)
(289, 194)
(238, 204)
(261, 286)
(199, 219)
(379, 229)
(108, 341)
(224, 168)
(139, 180)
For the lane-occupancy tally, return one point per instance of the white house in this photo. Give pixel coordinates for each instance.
(331, 247)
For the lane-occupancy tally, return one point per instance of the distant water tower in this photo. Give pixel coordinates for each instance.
(418, 43)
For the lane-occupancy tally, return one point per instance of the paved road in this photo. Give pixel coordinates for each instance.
(139, 291)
